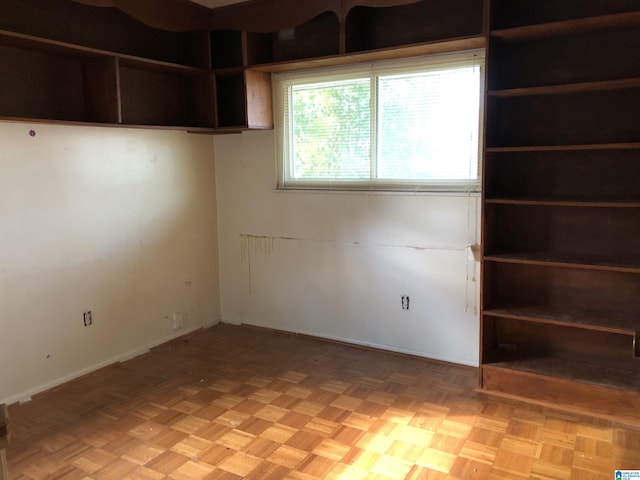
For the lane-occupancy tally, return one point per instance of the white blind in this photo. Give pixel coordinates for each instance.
(331, 130)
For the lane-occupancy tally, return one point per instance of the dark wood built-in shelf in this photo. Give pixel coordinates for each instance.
(368, 28)
(622, 323)
(567, 370)
(377, 55)
(568, 147)
(560, 294)
(569, 260)
(564, 202)
(202, 80)
(568, 27)
(561, 271)
(518, 13)
(540, 386)
(568, 88)
(603, 117)
(98, 86)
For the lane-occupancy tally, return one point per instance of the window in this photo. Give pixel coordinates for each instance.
(412, 124)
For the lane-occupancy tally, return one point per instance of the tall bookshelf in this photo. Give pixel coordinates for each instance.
(561, 205)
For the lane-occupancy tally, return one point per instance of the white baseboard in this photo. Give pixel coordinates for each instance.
(123, 357)
(378, 346)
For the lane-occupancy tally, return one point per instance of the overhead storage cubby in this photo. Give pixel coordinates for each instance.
(166, 96)
(317, 37)
(63, 61)
(226, 48)
(370, 28)
(49, 81)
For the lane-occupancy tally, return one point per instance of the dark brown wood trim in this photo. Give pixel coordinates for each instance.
(274, 15)
(354, 345)
(261, 17)
(171, 15)
(4, 426)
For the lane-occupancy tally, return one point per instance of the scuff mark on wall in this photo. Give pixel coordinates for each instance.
(253, 244)
(473, 258)
(247, 240)
(264, 244)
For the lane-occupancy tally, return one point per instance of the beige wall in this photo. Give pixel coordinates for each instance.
(121, 222)
(336, 264)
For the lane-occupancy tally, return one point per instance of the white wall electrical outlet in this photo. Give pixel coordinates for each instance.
(178, 320)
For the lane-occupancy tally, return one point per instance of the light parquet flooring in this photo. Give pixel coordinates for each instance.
(235, 403)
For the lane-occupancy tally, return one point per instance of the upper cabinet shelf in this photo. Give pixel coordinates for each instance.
(104, 29)
(53, 80)
(567, 147)
(427, 26)
(568, 88)
(604, 117)
(596, 177)
(603, 321)
(316, 38)
(226, 49)
(413, 50)
(569, 260)
(506, 14)
(611, 57)
(369, 28)
(564, 202)
(568, 27)
(64, 61)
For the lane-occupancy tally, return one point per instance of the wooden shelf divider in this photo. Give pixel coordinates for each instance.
(555, 202)
(568, 27)
(568, 88)
(601, 321)
(568, 260)
(566, 148)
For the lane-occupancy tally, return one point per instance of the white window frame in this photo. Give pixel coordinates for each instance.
(283, 81)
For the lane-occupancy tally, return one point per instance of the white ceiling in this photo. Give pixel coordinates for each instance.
(217, 3)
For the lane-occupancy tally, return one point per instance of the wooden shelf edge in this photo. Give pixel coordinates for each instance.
(567, 27)
(228, 71)
(4, 422)
(529, 315)
(564, 148)
(511, 367)
(568, 88)
(427, 48)
(563, 203)
(185, 128)
(239, 129)
(203, 130)
(19, 40)
(159, 66)
(532, 260)
(621, 419)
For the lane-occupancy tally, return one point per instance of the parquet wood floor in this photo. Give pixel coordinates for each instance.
(233, 403)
